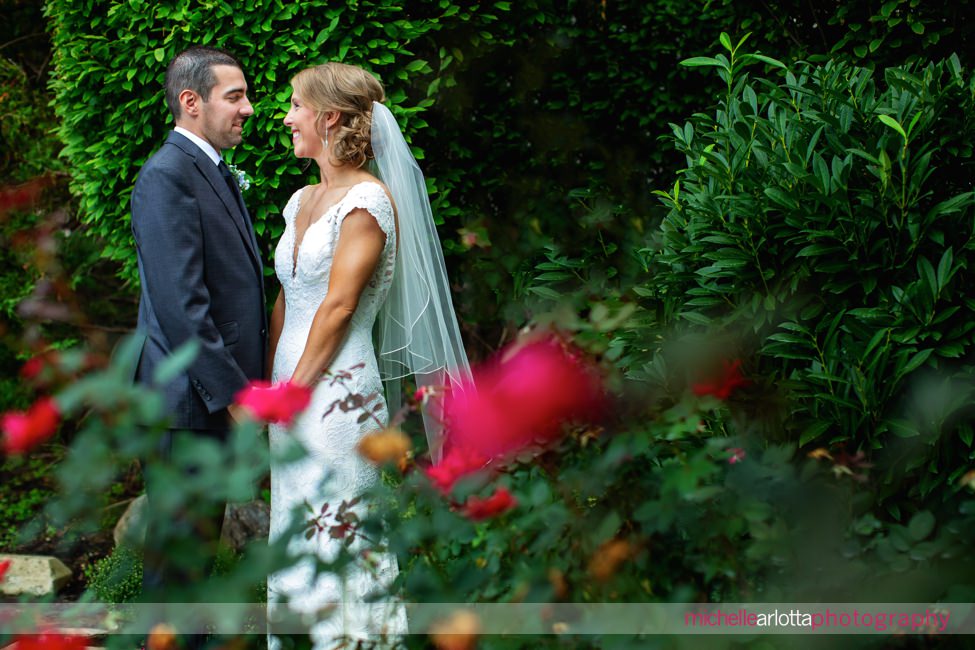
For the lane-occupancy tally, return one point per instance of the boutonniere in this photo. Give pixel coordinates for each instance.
(240, 176)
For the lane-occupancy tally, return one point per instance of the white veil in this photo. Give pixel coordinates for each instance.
(416, 329)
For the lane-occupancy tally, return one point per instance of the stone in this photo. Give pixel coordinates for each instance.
(243, 523)
(246, 522)
(131, 527)
(33, 575)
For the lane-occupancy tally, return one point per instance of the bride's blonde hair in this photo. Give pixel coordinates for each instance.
(350, 91)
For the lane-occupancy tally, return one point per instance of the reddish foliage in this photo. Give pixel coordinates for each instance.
(730, 379)
(23, 431)
(522, 400)
(278, 403)
(21, 197)
(500, 502)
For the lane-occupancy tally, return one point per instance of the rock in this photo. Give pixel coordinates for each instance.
(131, 526)
(33, 575)
(243, 522)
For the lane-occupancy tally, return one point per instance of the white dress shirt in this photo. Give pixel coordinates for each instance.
(205, 146)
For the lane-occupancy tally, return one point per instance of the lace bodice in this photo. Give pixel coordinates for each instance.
(305, 283)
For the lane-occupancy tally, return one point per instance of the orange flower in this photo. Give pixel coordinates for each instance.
(820, 453)
(498, 503)
(278, 403)
(387, 446)
(162, 636)
(458, 632)
(725, 385)
(608, 557)
(23, 431)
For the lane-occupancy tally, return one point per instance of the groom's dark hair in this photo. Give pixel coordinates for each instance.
(193, 69)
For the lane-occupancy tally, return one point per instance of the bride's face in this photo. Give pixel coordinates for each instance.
(304, 132)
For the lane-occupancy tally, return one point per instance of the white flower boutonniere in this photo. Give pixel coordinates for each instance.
(240, 176)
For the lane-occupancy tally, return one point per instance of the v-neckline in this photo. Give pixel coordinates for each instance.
(296, 247)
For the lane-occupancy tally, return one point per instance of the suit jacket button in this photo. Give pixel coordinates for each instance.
(263, 332)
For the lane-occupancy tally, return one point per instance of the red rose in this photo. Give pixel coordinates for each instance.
(522, 399)
(278, 403)
(33, 367)
(50, 641)
(480, 509)
(730, 379)
(23, 431)
(458, 463)
(3, 568)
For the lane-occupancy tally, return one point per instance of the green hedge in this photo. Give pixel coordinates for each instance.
(111, 57)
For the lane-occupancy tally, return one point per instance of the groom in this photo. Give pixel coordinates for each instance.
(202, 281)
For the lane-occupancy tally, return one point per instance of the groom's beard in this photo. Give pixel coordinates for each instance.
(223, 136)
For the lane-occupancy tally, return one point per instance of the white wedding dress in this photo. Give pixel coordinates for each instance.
(332, 471)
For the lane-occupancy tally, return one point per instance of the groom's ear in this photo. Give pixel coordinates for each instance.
(189, 102)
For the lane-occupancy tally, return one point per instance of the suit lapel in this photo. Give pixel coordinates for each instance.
(234, 207)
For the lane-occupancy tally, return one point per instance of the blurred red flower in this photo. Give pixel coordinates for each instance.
(737, 455)
(730, 379)
(33, 367)
(22, 431)
(522, 399)
(278, 403)
(50, 641)
(456, 464)
(500, 502)
(3, 568)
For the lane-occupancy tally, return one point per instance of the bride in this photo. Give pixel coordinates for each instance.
(357, 252)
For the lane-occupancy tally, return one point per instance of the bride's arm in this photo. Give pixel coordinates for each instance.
(275, 326)
(357, 253)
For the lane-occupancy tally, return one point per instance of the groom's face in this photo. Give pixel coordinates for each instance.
(223, 116)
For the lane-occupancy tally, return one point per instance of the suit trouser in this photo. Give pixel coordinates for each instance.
(180, 549)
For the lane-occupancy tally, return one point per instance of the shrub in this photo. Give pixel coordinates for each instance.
(117, 577)
(825, 217)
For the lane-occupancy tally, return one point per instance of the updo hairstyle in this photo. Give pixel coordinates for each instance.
(350, 91)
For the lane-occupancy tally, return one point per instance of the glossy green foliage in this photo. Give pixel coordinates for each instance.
(825, 215)
(111, 59)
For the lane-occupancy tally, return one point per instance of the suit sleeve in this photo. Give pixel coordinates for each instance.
(166, 223)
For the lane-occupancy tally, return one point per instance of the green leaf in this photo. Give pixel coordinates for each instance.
(921, 525)
(176, 363)
(767, 59)
(703, 61)
(546, 292)
(915, 362)
(725, 41)
(945, 268)
(894, 124)
(814, 431)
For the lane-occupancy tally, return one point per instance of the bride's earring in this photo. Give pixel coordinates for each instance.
(325, 141)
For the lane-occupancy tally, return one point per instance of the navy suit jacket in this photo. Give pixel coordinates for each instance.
(202, 280)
